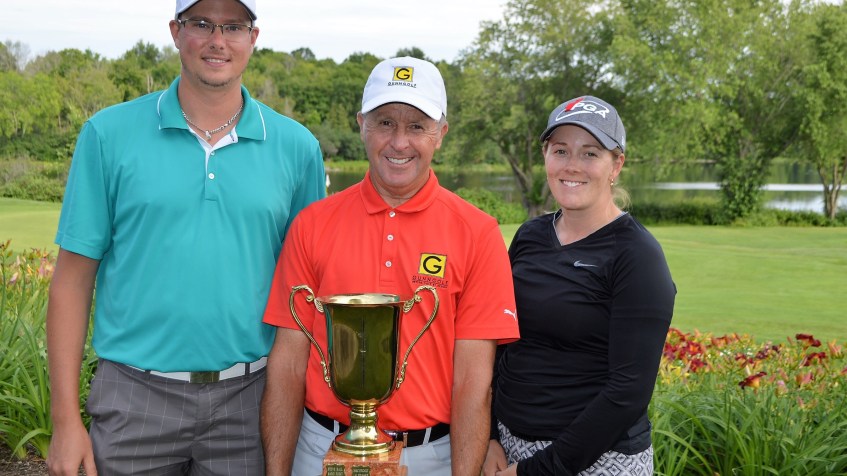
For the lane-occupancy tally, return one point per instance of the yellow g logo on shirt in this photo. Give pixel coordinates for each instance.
(404, 73)
(433, 265)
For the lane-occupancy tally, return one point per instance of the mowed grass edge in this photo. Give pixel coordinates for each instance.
(771, 282)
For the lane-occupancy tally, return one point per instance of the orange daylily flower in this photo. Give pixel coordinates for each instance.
(743, 360)
(813, 358)
(808, 340)
(767, 351)
(697, 364)
(775, 366)
(804, 379)
(753, 381)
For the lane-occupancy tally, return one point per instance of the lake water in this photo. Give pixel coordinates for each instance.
(791, 186)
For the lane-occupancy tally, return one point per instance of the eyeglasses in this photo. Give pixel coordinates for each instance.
(205, 29)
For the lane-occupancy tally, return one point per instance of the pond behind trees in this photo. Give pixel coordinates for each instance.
(791, 186)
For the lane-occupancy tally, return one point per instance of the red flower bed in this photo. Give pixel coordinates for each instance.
(803, 362)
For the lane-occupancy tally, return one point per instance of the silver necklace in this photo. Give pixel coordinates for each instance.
(215, 131)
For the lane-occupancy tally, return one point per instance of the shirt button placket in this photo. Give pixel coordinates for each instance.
(211, 191)
(389, 247)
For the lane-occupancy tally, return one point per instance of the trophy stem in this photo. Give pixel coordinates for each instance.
(363, 438)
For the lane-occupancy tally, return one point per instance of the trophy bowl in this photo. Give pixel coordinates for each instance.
(361, 363)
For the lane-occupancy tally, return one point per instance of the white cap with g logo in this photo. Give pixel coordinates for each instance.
(406, 80)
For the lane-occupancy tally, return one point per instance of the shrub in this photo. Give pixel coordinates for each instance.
(709, 212)
(34, 187)
(691, 212)
(24, 388)
(774, 217)
(339, 145)
(494, 205)
(729, 405)
(30, 180)
(41, 147)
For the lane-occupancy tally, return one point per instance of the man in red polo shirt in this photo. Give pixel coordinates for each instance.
(391, 233)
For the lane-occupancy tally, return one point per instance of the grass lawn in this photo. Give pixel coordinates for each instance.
(29, 224)
(768, 282)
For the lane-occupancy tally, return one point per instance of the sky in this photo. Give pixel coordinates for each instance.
(330, 28)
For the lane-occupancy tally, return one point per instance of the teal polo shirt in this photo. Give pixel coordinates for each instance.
(187, 249)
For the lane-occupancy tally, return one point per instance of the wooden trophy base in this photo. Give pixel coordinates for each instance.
(337, 463)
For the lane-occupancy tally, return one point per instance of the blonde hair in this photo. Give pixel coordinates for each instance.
(619, 194)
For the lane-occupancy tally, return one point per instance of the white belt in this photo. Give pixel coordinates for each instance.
(238, 370)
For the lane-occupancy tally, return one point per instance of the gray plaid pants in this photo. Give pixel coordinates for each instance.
(148, 425)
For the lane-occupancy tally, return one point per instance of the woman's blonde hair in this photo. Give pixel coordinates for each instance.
(619, 194)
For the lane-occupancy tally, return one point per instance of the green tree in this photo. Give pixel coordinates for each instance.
(540, 54)
(144, 68)
(823, 100)
(7, 60)
(304, 54)
(321, 94)
(266, 70)
(62, 63)
(339, 131)
(13, 55)
(82, 80)
(87, 91)
(414, 52)
(711, 79)
(167, 68)
(27, 104)
(308, 85)
(12, 107)
(349, 80)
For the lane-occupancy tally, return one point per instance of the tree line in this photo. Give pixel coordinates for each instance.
(735, 82)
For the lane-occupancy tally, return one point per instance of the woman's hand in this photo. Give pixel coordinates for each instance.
(495, 459)
(510, 471)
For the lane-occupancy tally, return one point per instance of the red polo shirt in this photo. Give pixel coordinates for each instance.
(353, 242)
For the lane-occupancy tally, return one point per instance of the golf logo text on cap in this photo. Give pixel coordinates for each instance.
(583, 106)
(403, 73)
(594, 115)
(406, 80)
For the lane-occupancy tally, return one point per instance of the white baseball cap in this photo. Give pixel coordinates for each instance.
(183, 5)
(407, 80)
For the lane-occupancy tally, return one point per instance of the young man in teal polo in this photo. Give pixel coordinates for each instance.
(176, 206)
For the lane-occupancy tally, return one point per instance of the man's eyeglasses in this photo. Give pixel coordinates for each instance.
(205, 29)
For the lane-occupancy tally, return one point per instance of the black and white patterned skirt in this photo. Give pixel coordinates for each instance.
(609, 463)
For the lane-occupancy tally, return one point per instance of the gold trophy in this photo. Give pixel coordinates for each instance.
(361, 368)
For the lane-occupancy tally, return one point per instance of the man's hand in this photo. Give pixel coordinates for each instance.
(70, 448)
(68, 308)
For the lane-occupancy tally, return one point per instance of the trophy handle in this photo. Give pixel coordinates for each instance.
(407, 306)
(311, 299)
